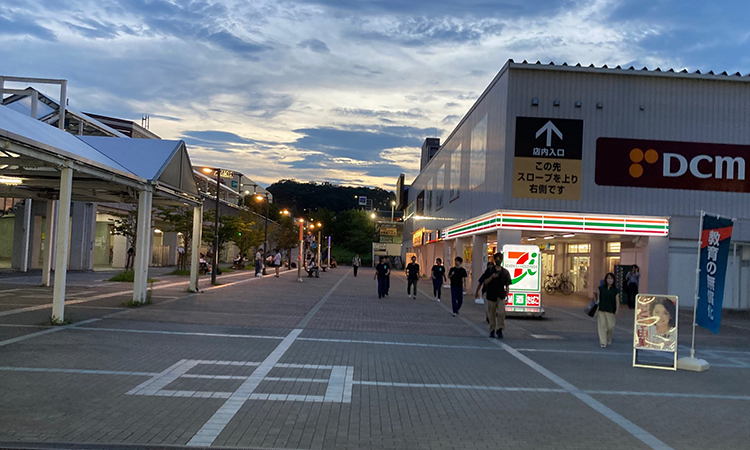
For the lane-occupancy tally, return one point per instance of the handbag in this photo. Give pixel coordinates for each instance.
(591, 308)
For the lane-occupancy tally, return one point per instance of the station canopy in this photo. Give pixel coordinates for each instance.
(106, 169)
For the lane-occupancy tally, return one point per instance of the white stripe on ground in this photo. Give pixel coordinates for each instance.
(216, 424)
(181, 333)
(221, 418)
(636, 431)
(372, 383)
(130, 291)
(43, 332)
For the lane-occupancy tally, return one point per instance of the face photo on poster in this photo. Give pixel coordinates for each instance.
(656, 323)
(655, 331)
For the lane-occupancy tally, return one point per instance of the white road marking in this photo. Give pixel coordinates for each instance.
(636, 431)
(40, 333)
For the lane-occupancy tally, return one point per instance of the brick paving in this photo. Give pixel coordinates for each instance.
(362, 373)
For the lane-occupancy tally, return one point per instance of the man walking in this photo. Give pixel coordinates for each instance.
(458, 276)
(381, 274)
(277, 262)
(497, 282)
(258, 262)
(356, 262)
(412, 276)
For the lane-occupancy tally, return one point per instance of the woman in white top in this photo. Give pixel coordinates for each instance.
(277, 261)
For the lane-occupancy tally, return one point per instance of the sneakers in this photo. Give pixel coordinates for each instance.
(492, 334)
(602, 346)
(454, 314)
(499, 334)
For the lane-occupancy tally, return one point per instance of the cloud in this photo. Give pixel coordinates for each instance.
(413, 113)
(360, 145)
(20, 26)
(423, 32)
(451, 119)
(315, 45)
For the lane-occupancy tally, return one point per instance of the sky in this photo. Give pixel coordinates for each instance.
(343, 91)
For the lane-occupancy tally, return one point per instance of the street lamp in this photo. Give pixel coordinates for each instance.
(319, 243)
(215, 259)
(285, 212)
(372, 216)
(265, 228)
(301, 249)
(393, 206)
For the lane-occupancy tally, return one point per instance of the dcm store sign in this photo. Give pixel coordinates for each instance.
(671, 165)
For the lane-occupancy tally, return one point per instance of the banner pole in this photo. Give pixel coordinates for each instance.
(697, 279)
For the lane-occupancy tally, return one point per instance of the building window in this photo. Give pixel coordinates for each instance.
(579, 248)
(455, 178)
(478, 154)
(420, 204)
(440, 188)
(613, 247)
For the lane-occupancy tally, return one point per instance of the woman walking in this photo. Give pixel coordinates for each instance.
(632, 280)
(607, 298)
(438, 278)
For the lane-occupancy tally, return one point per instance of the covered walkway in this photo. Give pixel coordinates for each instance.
(41, 163)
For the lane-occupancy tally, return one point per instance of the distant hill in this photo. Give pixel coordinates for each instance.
(313, 196)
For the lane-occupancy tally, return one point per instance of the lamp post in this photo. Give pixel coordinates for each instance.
(265, 228)
(393, 207)
(301, 248)
(320, 243)
(215, 259)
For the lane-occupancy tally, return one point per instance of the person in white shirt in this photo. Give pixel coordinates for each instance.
(356, 262)
(277, 261)
(258, 262)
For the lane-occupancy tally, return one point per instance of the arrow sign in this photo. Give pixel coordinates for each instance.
(549, 127)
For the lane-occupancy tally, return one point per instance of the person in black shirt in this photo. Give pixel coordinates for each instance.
(412, 276)
(381, 274)
(458, 276)
(497, 281)
(438, 278)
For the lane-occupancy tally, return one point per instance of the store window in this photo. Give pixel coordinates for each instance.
(613, 247)
(579, 248)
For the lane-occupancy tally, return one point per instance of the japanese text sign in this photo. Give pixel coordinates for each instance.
(714, 253)
(547, 161)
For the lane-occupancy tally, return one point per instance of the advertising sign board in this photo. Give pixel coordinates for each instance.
(655, 331)
(547, 162)
(524, 262)
(671, 165)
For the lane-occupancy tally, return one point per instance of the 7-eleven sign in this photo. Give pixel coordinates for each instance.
(524, 264)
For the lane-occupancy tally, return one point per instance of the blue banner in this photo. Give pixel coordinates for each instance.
(714, 254)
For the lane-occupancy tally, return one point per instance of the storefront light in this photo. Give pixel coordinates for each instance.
(549, 237)
(568, 235)
(530, 239)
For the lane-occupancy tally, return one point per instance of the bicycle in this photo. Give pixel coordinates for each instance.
(558, 283)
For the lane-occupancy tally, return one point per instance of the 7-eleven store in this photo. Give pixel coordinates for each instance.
(582, 246)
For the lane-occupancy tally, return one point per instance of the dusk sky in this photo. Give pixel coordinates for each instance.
(337, 90)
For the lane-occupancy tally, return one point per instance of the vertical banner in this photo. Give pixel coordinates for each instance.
(714, 254)
(655, 331)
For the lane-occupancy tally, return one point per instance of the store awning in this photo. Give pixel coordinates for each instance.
(560, 222)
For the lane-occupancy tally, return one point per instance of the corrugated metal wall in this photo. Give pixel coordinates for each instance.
(676, 109)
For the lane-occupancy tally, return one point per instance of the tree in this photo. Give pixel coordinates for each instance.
(247, 233)
(310, 197)
(286, 236)
(179, 220)
(227, 229)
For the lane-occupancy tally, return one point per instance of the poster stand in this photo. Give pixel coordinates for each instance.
(655, 331)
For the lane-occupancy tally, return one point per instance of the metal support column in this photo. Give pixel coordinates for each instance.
(142, 253)
(61, 243)
(195, 246)
(26, 235)
(49, 230)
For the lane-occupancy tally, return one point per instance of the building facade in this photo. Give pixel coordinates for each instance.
(599, 167)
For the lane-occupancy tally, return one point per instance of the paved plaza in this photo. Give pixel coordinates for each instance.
(270, 363)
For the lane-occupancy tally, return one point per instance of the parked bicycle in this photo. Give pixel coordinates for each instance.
(558, 283)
